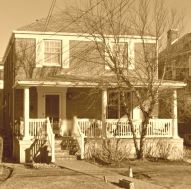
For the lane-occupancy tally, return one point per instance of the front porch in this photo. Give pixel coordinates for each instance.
(70, 114)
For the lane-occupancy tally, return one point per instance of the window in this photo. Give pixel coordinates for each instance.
(119, 54)
(52, 52)
(116, 108)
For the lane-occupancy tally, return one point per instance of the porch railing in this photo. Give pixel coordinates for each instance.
(90, 127)
(79, 135)
(37, 127)
(51, 139)
(121, 128)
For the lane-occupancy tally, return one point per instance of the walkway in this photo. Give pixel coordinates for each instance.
(99, 172)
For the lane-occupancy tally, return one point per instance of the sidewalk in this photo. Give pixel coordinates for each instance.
(89, 169)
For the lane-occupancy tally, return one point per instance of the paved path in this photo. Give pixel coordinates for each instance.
(99, 172)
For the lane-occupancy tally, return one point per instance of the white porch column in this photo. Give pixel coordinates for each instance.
(175, 115)
(26, 113)
(104, 112)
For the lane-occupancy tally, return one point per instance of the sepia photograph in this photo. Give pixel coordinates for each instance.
(95, 94)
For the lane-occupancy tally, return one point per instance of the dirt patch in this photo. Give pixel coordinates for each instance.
(5, 173)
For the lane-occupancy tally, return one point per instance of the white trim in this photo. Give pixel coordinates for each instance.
(79, 34)
(86, 84)
(42, 91)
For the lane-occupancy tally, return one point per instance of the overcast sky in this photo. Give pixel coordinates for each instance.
(16, 13)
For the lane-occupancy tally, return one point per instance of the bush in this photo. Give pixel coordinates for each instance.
(158, 149)
(109, 151)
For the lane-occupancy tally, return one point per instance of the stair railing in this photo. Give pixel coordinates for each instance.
(51, 139)
(80, 136)
(35, 148)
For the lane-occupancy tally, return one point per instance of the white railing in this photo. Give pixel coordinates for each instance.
(51, 139)
(155, 128)
(90, 127)
(160, 127)
(37, 127)
(80, 135)
(121, 128)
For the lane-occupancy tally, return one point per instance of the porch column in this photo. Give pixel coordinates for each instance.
(104, 112)
(26, 113)
(175, 115)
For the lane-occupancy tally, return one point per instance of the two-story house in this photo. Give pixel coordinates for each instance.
(177, 60)
(51, 85)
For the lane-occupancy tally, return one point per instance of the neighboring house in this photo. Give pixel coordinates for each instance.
(177, 58)
(45, 77)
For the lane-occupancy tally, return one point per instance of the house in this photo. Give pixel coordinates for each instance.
(50, 90)
(177, 57)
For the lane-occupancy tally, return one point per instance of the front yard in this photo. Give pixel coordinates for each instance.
(168, 174)
(23, 177)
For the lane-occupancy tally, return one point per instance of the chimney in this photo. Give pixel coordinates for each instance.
(172, 35)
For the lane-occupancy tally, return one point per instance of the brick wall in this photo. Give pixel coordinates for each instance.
(83, 103)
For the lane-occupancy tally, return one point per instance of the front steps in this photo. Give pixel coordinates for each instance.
(66, 148)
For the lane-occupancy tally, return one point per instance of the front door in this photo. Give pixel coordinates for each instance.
(52, 110)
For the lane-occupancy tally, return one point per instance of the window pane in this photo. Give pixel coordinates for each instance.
(52, 51)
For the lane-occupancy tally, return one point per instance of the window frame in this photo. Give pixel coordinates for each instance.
(118, 104)
(52, 64)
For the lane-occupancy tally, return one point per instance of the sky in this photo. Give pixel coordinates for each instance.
(17, 13)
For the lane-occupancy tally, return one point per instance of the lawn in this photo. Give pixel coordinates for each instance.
(172, 175)
(48, 178)
(169, 174)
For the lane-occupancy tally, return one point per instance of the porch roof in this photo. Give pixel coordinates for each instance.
(93, 81)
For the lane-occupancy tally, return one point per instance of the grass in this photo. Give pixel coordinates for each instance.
(47, 178)
(170, 174)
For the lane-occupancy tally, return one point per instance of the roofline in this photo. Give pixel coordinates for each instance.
(81, 34)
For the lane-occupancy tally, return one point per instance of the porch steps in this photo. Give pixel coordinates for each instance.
(66, 148)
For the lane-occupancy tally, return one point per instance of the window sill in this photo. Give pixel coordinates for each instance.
(51, 65)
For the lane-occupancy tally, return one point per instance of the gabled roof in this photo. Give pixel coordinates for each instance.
(61, 22)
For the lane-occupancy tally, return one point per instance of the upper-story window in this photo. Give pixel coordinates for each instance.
(52, 52)
(120, 54)
(116, 55)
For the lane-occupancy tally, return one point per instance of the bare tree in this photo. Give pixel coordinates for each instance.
(25, 56)
(106, 25)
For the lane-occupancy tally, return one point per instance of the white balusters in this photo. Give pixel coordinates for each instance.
(121, 128)
(37, 127)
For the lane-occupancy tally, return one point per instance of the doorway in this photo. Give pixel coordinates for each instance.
(52, 110)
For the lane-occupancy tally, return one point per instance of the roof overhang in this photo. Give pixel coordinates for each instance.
(77, 84)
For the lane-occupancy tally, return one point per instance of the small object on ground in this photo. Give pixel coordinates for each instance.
(105, 179)
(126, 184)
(130, 172)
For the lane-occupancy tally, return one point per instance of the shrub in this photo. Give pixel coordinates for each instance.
(108, 151)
